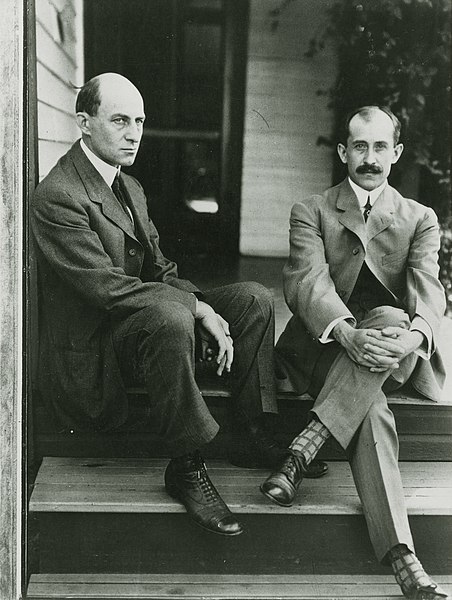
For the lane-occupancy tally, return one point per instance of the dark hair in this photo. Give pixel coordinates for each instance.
(365, 112)
(88, 98)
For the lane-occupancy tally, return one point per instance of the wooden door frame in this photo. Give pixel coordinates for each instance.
(11, 295)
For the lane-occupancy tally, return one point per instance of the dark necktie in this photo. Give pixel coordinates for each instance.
(116, 187)
(367, 208)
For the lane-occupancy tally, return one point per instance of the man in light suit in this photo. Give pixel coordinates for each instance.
(362, 284)
(114, 312)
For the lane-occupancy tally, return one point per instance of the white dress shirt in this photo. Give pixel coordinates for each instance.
(106, 171)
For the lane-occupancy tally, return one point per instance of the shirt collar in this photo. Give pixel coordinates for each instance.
(362, 194)
(107, 172)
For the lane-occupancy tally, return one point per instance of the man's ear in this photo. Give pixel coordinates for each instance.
(83, 121)
(342, 151)
(398, 149)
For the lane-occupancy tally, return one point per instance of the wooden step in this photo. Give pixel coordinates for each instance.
(425, 429)
(218, 587)
(114, 514)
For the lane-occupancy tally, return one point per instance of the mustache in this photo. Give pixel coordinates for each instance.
(369, 169)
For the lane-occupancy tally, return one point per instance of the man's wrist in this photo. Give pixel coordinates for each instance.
(341, 331)
(202, 309)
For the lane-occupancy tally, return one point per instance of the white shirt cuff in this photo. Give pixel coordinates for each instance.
(326, 336)
(425, 349)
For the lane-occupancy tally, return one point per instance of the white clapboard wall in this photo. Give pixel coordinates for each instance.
(59, 49)
(284, 116)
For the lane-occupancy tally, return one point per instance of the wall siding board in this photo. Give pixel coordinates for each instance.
(55, 92)
(53, 55)
(49, 153)
(284, 118)
(59, 69)
(56, 126)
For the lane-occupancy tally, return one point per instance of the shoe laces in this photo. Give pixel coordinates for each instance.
(209, 491)
(291, 466)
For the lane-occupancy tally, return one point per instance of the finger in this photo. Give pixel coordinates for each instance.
(377, 359)
(221, 365)
(391, 331)
(382, 369)
(374, 349)
(229, 354)
(210, 353)
(389, 347)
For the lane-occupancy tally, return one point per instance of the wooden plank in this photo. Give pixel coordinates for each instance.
(56, 91)
(56, 126)
(12, 182)
(136, 486)
(371, 587)
(49, 153)
(396, 398)
(52, 54)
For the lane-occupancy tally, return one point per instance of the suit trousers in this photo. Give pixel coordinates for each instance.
(155, 347)
(352, 404)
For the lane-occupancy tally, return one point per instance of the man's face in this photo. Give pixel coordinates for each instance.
(114, 133)
(370, 150)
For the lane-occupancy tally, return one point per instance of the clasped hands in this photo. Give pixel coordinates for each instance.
(379, 350)
(214, 330)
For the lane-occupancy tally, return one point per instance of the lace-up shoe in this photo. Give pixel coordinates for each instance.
(187, 480)
(281, 486)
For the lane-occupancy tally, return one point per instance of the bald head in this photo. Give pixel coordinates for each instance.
(90, 95)
(110, 114)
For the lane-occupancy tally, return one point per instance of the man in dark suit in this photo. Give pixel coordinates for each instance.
(362, 284)
(113, 310)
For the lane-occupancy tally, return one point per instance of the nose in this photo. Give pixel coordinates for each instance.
(370, 156)
(133, 132)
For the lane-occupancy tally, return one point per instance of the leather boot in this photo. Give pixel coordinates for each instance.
(186, 480)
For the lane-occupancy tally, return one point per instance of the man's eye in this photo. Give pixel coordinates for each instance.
(360, 147)
(119, 121)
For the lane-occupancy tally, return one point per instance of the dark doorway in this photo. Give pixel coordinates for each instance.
(188, 58)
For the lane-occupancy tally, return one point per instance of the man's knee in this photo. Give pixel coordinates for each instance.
(258, 292)
(381, 417)
(385, 316)
(171, 318)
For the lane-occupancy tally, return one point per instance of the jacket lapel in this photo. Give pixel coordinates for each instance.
(99, 192)
(380, 218)
(382, 214)
(351, 217)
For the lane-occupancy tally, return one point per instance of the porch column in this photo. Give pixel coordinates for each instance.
(11, 198)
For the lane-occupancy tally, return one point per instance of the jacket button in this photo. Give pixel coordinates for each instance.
(132, 252)
(355, 250)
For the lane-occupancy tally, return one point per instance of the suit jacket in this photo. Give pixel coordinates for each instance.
(329, 242)
(94, 268)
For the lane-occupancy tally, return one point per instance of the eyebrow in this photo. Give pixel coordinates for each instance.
(124, 116)
(364, 142)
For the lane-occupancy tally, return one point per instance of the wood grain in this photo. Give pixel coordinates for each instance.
(136, 486)
(11, 197)
(263, 587)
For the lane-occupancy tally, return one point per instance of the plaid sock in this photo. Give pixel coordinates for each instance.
(407, 569)
(310, 440)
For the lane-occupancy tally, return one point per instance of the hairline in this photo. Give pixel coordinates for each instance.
(364, 112)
